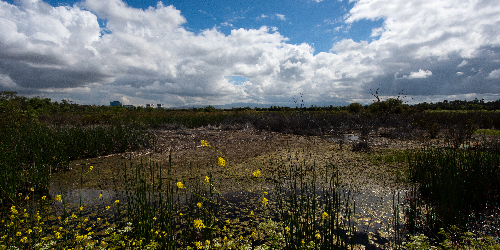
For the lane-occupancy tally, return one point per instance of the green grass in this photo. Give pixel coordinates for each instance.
(451, 184)
(487, 132)
(286, 211)
(291, 205)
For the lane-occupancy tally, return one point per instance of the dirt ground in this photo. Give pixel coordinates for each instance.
(370, 174)
(371, 179)
(242, 149)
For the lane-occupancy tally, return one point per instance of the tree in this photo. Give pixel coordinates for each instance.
(355, 107)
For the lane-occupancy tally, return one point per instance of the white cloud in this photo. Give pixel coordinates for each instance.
(148, 56)
(463, 63)
(420, 74)
(281, 17)
(495, 74)
(460, 73)
(434, 27)
(377, 31)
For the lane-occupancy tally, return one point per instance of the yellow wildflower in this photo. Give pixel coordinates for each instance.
(251, 213)
(24, 239)
(256, 173)
(241, 237)
(222, 162)
(180, 185)
(18, 234)
(287, 229)
(207, 180)
(207, 242)
(27, 198)
(303, 242)
(228, 222)
(59, 198)
(225, 238)
(318, 236)
(265, 201)
(44, 197)
(198, 204)
(198, 224)
(91, 167)
(32, 189)
(204, 143)
(199, 245)
(100, 196)
(117, 201)
(324, 215)
(81, 208)
(265, 193)
(181, 214)
(154, 218)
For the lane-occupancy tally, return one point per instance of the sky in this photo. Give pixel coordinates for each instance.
(237, 53)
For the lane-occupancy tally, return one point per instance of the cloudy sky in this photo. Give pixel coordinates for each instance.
(218, 52)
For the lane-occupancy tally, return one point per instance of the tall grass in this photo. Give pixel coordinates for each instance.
(450, 185)
(296, 210)
(31, 151)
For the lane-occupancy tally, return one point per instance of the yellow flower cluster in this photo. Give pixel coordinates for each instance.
(256, 173)
(13, 210)
(204, 143)
(265, 201)
(222, 162)
(180, 185)
(198, 224)
(324, 215)
(199, 245)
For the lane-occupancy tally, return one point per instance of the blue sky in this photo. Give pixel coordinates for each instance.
(184, 53)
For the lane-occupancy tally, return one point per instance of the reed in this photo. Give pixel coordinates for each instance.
(150, 209)
(450, 185)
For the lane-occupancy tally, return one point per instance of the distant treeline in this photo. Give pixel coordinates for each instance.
(40, 105)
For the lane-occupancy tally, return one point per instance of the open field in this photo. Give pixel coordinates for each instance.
(262, 180)
(371, 176)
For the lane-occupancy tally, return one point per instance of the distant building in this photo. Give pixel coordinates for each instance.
(160, 106)
(115, 104)
(150, 105)
(128, 106)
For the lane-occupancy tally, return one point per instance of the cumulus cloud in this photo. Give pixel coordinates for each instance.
(420, 74)
(148, 56)
(435, 35)
(495, 74)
